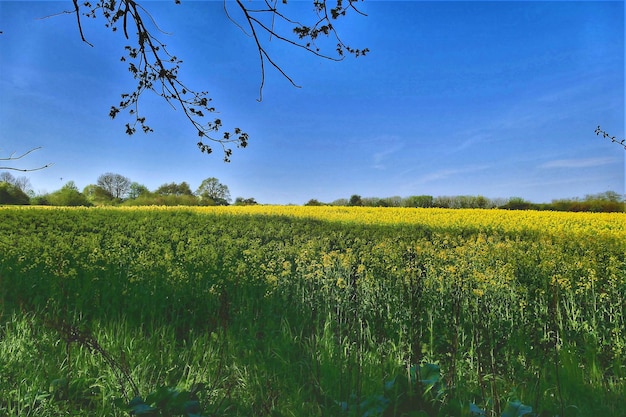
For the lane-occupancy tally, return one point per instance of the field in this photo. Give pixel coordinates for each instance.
(311, 311)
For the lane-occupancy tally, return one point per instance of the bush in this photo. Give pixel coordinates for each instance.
(10, 194)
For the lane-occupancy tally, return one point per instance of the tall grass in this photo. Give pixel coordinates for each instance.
(281, 315)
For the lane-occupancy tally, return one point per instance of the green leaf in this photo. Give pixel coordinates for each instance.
(142, 408)
(430, 374)
(516, 409)
(430, 378)
(476, 411)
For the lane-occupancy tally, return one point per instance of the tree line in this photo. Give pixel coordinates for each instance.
(608, 201)
(115, 189)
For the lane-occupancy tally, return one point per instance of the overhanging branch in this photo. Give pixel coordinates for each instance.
(600, 132)
(156, 70)
(12, 157)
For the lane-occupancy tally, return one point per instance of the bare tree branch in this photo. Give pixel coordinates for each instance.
(262, 52)
(306, 35)
(599, 132)
(12, 157)
(80, 27)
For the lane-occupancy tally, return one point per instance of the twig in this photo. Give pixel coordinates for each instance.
(599, 132)
(12, 157)
(80, 27)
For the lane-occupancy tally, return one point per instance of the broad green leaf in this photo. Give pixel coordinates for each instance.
(516, 409)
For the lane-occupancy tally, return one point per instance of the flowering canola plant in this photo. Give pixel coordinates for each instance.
(468, 288)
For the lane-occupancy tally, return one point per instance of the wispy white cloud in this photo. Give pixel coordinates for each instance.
(448, 173)
(471, 140)
(392, 145)
(579, 163)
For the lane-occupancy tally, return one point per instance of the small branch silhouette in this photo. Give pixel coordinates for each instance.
(12, 157)
(599, 132)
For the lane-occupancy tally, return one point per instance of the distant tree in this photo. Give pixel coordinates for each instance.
(565, 204)
(68, 195)
(174, 189)
(155, 69)
(23, 183)
(518, 203)
(97, 195)
(40, 200)
(611, 196)
(184, 189)
(212, 189)
(395, 201)
(498, 202)
(115, 184)
(167, 189)
(7, 177)
(11, 194)
(443, 201)
(136, 190)
(606, 202)
(373, 202)
(423, 201)
(240, 201)
(313, 202)
(340, 202)
(70, 185)
(153, 199)
(355, 200)
(481, 202)
(469, 201)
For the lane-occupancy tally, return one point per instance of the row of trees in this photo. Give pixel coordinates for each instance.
(603, 202)
(116, 189)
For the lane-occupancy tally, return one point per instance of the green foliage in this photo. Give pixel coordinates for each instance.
(240, 201)
(11, 194)
(516, 409)
(68, 195)
(355, 200)
(420, 391)
(40, 200)
(98, 195)
(518, 203)
(607, 202)
(173, 189)
(212, 190)
(22, 183)
(137, 190)
(165, 401)
(423, 201)
(313, 202)
(153, 199)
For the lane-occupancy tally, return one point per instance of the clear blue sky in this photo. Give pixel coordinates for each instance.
(493, 98)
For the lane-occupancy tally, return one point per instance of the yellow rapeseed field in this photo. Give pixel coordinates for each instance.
(550, 222)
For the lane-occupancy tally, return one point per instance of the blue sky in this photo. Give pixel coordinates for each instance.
(493, 98)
